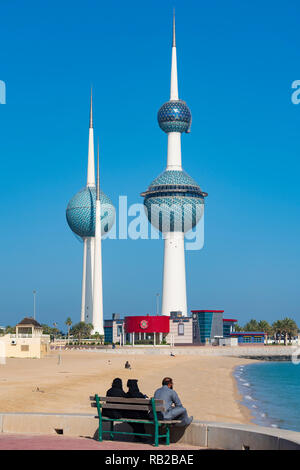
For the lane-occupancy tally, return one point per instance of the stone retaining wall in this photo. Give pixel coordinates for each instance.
(260, 352)
(199, 433)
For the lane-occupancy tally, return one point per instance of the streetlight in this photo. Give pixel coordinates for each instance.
(34, 295)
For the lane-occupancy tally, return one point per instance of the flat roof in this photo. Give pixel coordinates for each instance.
(248, 333)
(229, 319)
(207, 311)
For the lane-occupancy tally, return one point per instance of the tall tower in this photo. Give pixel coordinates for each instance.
(80, 213)
(97, 281)
(88, 242)
(174, 202)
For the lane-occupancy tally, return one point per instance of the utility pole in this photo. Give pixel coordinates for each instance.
(34, 295)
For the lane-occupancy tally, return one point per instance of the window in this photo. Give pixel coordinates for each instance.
(247, 339)
(257, 339)
(25, 347)
(119, 330)
(181, 329)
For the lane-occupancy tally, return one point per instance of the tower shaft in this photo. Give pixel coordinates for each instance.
(83, 285)
(174, 282)
(97, 282)
(174, 151)
(87, 280)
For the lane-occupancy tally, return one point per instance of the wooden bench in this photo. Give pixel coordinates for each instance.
(135, 404)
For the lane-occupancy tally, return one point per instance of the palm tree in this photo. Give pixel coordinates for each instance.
(252, 325)
(289, 328)
(68, 322)
(55, 330)
(264, 326)
(81, 329)
(10, 329)
(277, 329)
(99, 337)
(237, 327)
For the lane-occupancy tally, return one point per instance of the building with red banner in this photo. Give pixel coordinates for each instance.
(203, 327)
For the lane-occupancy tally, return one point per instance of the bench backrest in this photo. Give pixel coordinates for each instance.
(116, 403)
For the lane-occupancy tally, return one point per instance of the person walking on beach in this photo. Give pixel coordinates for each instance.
(173, 405)
(127, 365)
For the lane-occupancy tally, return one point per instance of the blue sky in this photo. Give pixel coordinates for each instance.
(237, 61)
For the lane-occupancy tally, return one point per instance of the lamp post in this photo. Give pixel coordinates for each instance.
(34, 295)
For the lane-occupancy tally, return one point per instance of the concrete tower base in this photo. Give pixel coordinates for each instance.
(87, 280)
(174, 282)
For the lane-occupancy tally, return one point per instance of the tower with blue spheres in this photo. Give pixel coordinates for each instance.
(82, 218)
(174, 202)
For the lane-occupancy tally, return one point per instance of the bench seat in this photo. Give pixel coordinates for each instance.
(135, 404)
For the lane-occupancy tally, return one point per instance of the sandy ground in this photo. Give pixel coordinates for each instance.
(205, 385)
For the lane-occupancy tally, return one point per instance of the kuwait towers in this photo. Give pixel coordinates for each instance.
(174, 202)
(90, 214)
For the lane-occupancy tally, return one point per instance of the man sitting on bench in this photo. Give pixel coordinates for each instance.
(173, 407)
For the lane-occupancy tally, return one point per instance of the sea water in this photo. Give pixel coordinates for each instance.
(271, 390)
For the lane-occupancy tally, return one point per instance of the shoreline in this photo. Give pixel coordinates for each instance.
(266, 389)
(245, 410)
(258, 418)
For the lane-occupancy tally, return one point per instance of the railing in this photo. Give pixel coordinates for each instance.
(28, 335)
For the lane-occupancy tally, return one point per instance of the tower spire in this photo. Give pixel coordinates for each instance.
(98, 175)
(91, 109)
(91, 158)
(174, 32)
(174, 79)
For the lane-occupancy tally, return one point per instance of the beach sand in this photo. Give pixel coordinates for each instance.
(205, 384)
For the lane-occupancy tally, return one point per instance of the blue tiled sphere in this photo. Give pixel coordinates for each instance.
(81, 212)
(174, 116)
(174, 202)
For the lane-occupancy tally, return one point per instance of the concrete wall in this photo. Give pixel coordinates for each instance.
(25, 347)
(187, 338)
(237, 437)
(115, 337)
(259, 352)
(228, 342)
(202, 434)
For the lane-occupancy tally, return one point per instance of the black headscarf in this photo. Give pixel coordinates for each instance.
(134, 392)
(133, 389)
(116, 389)
(117, 383)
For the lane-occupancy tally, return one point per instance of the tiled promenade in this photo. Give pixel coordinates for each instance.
(44, 442)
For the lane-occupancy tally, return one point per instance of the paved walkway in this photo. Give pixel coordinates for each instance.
(45, 442)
